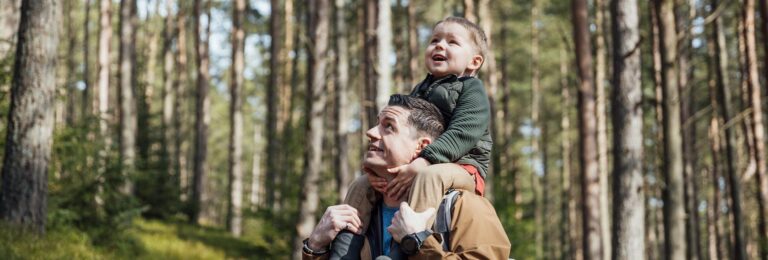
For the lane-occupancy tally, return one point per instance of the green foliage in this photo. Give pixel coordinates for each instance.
(81, 196)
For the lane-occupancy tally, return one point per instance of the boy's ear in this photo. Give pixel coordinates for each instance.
(476, 62)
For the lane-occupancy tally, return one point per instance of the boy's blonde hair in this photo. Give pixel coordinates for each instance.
(477, 35)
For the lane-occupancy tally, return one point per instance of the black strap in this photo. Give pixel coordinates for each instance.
(442, 224)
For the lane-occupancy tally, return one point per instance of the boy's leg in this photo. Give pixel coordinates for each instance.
(430, 185)
(362, 197)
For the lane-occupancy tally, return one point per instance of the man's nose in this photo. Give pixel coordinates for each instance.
(373, 133)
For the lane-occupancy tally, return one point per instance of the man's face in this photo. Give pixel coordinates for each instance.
(393, 142)
(450, 51)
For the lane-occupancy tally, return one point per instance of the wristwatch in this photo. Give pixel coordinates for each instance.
(410, 244)
(309, 251)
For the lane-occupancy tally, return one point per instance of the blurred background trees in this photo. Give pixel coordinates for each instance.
(194, 119)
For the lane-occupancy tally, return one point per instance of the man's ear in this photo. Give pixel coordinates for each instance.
(476, 62)
(423, 142)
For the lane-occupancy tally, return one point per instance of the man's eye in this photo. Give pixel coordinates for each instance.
(388, 126)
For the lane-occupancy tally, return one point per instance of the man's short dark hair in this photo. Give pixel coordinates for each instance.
(424, 115)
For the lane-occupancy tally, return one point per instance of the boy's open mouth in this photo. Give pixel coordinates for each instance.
(438, 57)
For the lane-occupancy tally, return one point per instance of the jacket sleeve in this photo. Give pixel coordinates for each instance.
(305, 256)
(476, 233)
(470, 121)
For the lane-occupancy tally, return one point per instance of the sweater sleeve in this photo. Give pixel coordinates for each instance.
(468, 124)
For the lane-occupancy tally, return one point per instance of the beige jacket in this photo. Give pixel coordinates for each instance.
(476, 233)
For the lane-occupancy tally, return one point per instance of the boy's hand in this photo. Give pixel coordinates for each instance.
(406, 221)
(405, 174)
(377, 183)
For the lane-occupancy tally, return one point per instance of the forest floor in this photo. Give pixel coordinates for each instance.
(145, 239)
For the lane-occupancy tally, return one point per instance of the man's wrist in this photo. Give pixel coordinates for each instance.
(314, 249)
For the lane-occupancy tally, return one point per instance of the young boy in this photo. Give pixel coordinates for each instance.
(459, 157)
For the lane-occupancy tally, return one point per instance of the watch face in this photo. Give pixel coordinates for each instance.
(409, 244)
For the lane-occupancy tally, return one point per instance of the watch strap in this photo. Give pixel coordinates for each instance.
(309, 251)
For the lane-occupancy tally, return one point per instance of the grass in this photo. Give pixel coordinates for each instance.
(146, 239)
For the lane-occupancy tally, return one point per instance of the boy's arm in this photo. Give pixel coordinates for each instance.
(470, 121)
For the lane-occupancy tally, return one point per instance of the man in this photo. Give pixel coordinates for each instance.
(406, 126)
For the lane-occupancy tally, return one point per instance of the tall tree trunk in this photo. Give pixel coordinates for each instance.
(726, 111)
(234, 207)
(182, 80)
(384, 50)
(469, 10)
(689, 134)
(257, 187)
(628, 195)
(674, 198)
(492, 78)
(169, 92)
(24, 183)
(413, 47)
(565, 146)
(343, 172)
(713, 205)
(590, 178)
(600, 116)
(315, 102)
(202, 116)
(105, 40)
(764, 27)
(370, 75)
(70, 113)
(85, 103)
(126, 99)
(536, 124)
(758, 131)
(273, 151)
(658, 247)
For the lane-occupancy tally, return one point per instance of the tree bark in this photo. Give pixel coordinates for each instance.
(764, 27)
(565, 145)
(492, 79)
(713, 205)
(202, 116)
(234, 208)
(85, 107)
(674, 198)
(182, 80)
(413, 47)
(469, 10)
(105, 39)
(127, 85)
(369, 59)
(726, 111)
(169, 92)
(273, 151)
(536, 124)
(384, 50)
(343, 172)
(590, 178)
(315, 102)
(600, 116)
(658, 243)
(70, 113)
(628, 195)
(24, 183)
(758, 130)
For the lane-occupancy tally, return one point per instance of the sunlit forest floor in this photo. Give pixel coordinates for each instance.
(145, 239)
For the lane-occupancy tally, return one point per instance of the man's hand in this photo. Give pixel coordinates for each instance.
(334, 220)
(406, 221)
(405, 174)
(377, 183)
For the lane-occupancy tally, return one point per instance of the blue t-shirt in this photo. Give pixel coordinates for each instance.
(387, 214)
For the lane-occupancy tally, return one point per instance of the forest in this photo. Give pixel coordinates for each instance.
(210, 129)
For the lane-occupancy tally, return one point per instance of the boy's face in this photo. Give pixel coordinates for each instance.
(451, 51)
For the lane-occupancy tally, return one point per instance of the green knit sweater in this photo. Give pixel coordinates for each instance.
(464, 105)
